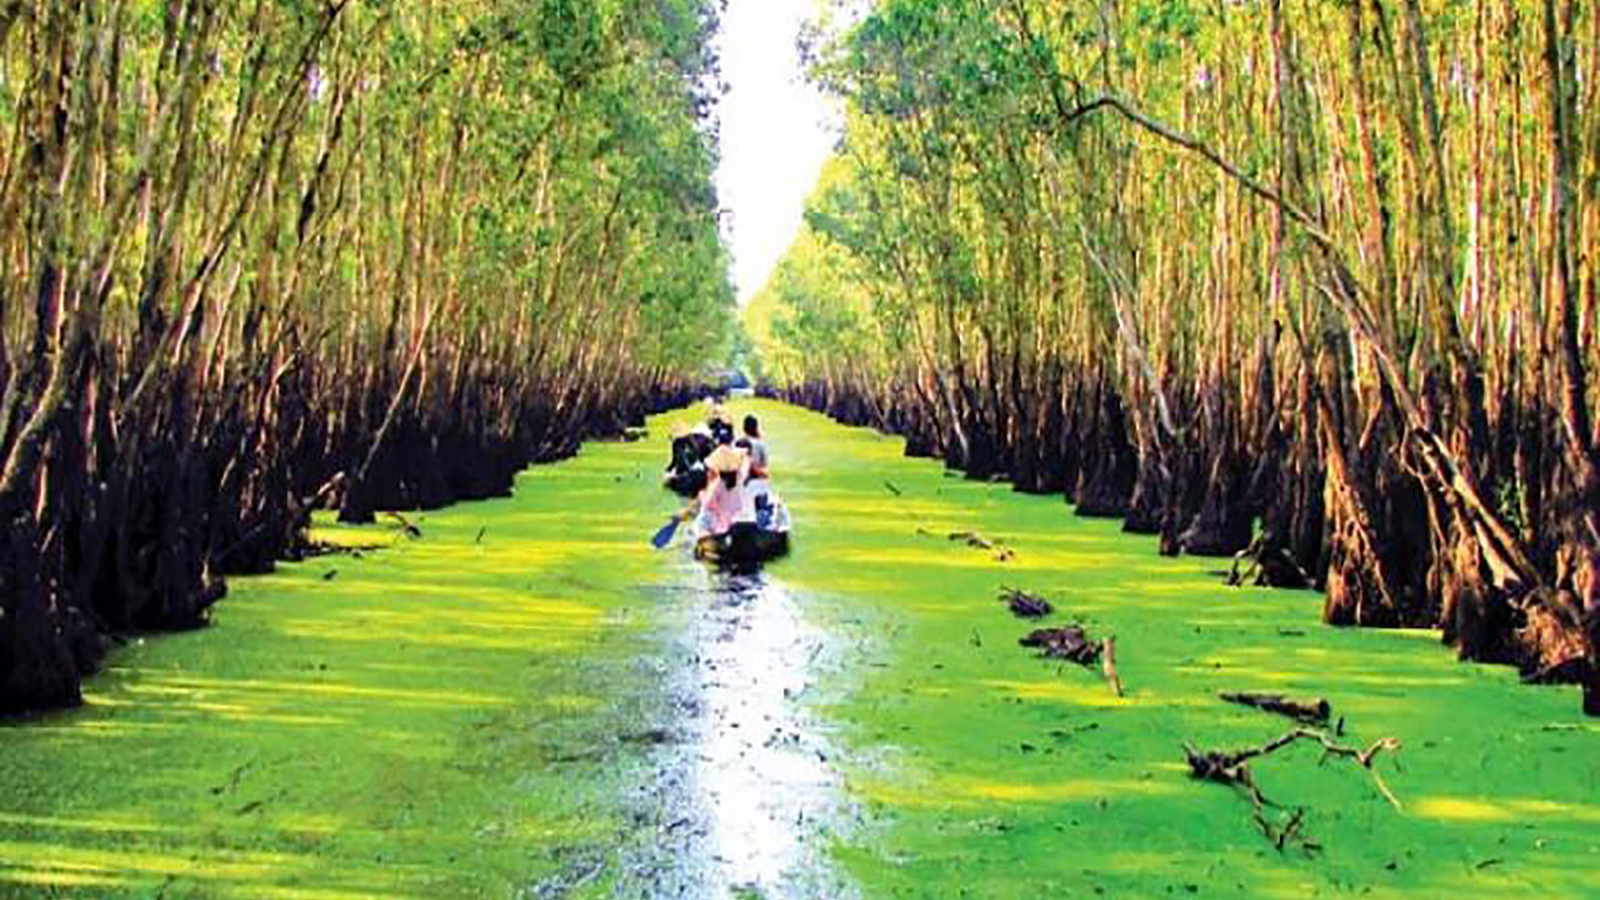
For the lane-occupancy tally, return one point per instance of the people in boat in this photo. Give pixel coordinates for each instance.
(758, 485)
(685, 472)
(723, 501)
(718, 423)
(753, 444)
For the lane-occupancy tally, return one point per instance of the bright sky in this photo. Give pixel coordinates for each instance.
(776, 133)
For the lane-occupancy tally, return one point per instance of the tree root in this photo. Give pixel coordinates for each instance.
(1266, 564)
(1231, 768)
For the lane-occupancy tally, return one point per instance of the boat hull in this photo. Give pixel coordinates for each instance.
(744, 544)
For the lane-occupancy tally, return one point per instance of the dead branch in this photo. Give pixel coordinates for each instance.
(1313, 709)
(1025, 605)
(1232, 769)
(1229, 768)
(972, 539)
(1069, 642)
(1108, 664)
(405, 524)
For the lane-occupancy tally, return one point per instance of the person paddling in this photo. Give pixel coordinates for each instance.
(723, 500)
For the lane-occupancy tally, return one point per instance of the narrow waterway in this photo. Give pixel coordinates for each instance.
(525, 701)
(743, 804)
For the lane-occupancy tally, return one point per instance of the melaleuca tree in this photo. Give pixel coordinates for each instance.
(262, 255)
(1277, 263)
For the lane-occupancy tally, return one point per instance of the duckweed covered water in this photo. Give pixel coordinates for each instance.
(527, 702)
(453, 715)
(982, 771)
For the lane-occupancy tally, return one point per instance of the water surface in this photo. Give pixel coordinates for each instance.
(527, 702)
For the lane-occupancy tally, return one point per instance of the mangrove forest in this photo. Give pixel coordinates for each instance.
(1313, 286)
(262, 257)
(1155, 455)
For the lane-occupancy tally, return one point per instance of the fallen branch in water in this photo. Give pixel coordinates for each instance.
(1073, 644)
(1231, 768)
(1025, 605)
(405, 524)
(972, 539)
(1069, 642)
(1313, 709)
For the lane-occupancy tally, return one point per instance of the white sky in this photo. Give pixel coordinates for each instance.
(776, 133)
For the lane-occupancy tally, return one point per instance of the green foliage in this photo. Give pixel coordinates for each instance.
(524, 162)
(813, 312)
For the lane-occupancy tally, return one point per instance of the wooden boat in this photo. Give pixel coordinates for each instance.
(762, 536)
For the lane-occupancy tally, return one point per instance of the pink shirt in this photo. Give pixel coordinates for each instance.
(723, 504)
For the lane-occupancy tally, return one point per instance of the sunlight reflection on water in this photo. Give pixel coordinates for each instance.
(761, 769)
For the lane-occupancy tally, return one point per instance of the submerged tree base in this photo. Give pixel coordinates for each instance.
(1339, 546)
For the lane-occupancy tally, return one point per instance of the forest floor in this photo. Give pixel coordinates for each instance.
(522, 700)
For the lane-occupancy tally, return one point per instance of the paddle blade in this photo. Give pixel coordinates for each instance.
(664, 536)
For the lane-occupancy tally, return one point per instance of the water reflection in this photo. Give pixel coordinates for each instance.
(760, 767)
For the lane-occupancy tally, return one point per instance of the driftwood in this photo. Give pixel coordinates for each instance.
(1068, 642)
(1073, 644)
(1231, 768)
(973, 539)
(405, 524)
(1025, 605)
(1310, 709)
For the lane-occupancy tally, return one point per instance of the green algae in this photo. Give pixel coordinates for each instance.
(450, 716)
(446, 717)
(983, 771)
